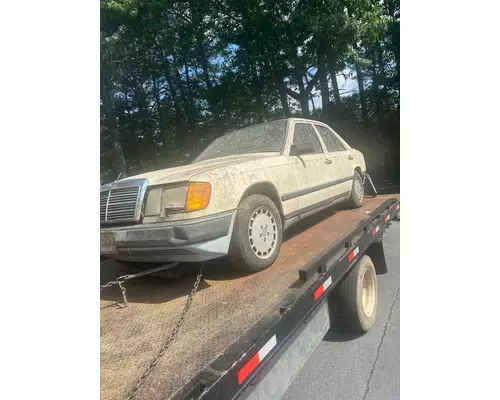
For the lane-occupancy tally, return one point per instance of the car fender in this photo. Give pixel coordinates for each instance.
(231, 184)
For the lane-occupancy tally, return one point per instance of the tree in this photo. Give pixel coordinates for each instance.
(175, 74)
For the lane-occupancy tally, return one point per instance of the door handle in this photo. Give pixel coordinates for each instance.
(350, 157)
(327, 161)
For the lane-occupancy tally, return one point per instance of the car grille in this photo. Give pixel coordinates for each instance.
(119, 204)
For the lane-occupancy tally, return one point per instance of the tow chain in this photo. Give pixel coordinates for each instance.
(168, 342)
(121, 279)
(117, 281)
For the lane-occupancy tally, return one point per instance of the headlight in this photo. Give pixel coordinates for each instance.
(165, 200)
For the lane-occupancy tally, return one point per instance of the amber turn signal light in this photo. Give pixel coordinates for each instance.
(198, 196)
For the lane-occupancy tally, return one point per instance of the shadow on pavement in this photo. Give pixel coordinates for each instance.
(338, 336)
(148, 289)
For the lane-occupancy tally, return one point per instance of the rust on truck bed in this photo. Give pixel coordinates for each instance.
(226, 305)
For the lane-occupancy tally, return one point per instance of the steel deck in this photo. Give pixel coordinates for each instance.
(227, 304)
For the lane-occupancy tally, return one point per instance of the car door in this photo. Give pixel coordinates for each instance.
(342, 166)
(314, 187)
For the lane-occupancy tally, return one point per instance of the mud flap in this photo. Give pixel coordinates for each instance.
(376, 253)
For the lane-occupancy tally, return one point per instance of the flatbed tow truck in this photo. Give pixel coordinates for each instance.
(220, 334)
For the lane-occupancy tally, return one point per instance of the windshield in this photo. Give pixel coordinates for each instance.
(267, 137)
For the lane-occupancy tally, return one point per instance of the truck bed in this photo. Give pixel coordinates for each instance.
(225, 306)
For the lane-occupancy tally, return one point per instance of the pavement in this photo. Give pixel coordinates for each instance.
(364, 368)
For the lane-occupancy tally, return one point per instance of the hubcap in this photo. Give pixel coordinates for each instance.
(262, 232)
(368, 292)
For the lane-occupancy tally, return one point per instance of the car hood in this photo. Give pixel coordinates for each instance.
(186, 172)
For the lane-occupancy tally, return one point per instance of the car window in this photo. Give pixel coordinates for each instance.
(266, 137)
(304, 133)
(331, 141)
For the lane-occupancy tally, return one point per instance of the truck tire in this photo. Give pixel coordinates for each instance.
(357, 191)
(357, 298)
(257, 234)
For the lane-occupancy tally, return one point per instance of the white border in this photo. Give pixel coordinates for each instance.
(50, 166)
(449, 159)
(449, 167)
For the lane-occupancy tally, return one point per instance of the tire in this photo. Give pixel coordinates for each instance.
(357, 309)
(357, 191)
(247, 243)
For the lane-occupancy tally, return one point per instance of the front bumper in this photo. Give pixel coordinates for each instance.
(199, 239)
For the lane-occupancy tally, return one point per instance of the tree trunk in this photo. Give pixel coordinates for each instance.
(382, 81)
(303, 96)
(376, 92)
(362, 97)
(335, 85)
(304, 105)
(323, 85)
(284, 101)
(312, 102)
(109, 113)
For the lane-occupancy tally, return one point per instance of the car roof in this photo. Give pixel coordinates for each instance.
(291, 119)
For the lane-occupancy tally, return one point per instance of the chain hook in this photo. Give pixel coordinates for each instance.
(124, 294)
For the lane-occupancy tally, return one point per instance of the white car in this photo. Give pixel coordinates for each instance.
(235, 199)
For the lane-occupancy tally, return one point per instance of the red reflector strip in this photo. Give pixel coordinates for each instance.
(397, 207)
(375, 230)
(387, 218)
(256, 359)
(248, 368)
(354, 253)
(319, 291)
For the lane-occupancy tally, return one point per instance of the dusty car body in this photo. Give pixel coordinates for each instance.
(188, 213)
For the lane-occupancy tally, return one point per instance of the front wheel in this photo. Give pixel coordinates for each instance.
(257, 234)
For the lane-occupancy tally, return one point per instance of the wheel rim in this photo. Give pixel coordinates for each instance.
(368, 292)
(358, 188)
(262, 233)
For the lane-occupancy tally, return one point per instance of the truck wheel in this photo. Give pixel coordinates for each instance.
(257, 234)
(357, 297)
(357, 191)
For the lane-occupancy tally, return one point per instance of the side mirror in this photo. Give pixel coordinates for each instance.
(302, 148)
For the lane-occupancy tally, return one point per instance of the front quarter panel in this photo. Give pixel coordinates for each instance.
(229, 184)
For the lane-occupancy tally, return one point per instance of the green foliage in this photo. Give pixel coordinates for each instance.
(176, 74)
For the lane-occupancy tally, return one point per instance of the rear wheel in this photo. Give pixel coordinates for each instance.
(257, 234)
(357, 297)
(357, 191)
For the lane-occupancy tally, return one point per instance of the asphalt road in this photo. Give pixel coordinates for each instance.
(367, 367)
